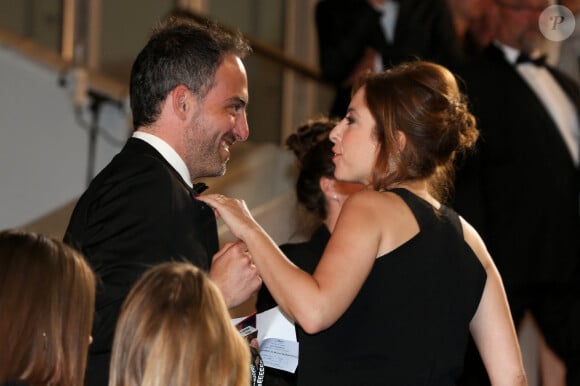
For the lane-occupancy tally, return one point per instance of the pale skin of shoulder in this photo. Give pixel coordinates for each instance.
(372, 224)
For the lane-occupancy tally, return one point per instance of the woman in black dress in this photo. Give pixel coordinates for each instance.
(320, 197)
(403, 279)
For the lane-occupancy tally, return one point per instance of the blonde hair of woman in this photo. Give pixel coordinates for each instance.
(175, 330)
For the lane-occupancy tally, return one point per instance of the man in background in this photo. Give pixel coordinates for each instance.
(521, 189)
(359, 35)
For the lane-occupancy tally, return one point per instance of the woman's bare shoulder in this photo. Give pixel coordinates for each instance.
(475, 242)
(385, 211)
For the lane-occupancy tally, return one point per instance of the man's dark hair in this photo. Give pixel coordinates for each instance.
(180, 51)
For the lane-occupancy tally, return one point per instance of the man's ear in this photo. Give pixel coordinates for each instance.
(181, 101)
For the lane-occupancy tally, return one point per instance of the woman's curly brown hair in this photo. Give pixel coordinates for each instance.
(313, 150)
(422, 100)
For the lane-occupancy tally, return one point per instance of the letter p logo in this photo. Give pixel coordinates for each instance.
(556, 23)
(557, 20)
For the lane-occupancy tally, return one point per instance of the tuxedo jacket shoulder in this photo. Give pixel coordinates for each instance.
(520, 189)
(514, 124)
(137, 212)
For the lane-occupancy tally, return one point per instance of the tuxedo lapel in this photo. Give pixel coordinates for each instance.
(201, 217)
(205, 224)
(517, 87)
(136, 145)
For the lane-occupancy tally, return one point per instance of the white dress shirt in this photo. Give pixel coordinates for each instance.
(390, 11)
(167, 152)
(557, 103)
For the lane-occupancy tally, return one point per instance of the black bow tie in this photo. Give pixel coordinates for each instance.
(525, 58)
(199, 188)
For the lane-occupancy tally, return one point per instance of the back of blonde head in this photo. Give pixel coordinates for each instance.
(175, 330)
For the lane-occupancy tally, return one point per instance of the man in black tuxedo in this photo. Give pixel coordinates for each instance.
(520, 189)
(359, 35)
(188, 95)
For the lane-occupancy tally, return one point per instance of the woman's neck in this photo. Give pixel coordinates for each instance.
(419, 188)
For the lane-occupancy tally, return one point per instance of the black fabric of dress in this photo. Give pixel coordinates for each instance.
(305, 255)
(409, 324)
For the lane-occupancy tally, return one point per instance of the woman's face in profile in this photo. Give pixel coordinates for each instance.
(355, 145)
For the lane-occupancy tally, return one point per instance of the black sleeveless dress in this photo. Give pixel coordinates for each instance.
(409, 324)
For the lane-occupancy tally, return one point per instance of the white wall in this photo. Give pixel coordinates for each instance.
(43, 150)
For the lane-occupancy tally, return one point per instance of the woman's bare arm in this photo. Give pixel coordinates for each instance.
(314, 301)
(492, 326)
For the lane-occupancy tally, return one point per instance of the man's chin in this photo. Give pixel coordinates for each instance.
(217, 172)
(222, 170)
(224, 167)
(220, 166)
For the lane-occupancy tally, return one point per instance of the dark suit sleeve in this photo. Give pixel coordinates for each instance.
(425, 30)
(345, 29)
(444, 46)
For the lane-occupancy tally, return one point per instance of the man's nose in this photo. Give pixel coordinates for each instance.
(241, 130)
